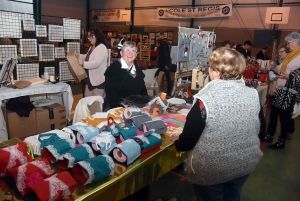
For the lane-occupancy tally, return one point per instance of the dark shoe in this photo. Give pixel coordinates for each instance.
(267, 138)
(280, 144)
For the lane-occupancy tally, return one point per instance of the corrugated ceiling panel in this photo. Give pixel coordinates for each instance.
(148, 18)
(108, 4)
(157, 3)
(293, 23)
(16, 7)
(252, 17)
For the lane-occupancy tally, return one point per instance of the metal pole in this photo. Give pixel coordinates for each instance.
(192, 19)
(132, 15)
(37, 11)
(87, 23)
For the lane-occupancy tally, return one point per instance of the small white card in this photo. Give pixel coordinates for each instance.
(100, 115)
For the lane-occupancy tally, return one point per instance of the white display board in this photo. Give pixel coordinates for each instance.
(27, 71)
(7, 51)
(41, 31)
(71, 28)
(46, 52)
(64, 72)
(73, 46)
(28, 25)
(10, 25)
(28, 47)
(55, 33)
(60, 53)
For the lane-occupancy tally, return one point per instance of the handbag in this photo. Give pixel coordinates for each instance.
(272, 88)
(154, 83)
(137, 100)
(296, 110)
(285, 98)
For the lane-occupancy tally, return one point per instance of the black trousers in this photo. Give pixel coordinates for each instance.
(287, 123)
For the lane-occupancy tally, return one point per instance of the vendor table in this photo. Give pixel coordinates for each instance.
(126, 180)
(46, 88)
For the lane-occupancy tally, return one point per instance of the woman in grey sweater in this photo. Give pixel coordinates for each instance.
(221, 131)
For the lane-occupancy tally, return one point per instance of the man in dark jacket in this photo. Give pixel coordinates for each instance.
(245, 48)
(164, 60)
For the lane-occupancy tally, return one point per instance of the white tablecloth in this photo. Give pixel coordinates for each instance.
(46, 88)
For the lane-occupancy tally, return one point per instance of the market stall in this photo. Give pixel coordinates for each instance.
(125, 179)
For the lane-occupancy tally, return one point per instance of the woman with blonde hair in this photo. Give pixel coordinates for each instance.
(221, 130)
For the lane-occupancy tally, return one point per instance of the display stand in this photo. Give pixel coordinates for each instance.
(193, 51)
(145, 50)
(7, 70)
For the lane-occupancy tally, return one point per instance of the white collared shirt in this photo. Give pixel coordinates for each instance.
(125, 66)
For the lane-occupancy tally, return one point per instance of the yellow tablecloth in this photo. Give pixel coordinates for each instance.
(126, 180)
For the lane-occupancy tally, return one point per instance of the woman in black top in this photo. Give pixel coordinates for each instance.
(123, 78)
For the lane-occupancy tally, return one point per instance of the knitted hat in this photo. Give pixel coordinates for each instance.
(13, 156)
(93, 169)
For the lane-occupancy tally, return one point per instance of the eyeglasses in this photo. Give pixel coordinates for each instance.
(289, 42)
(282, 51)
(129, 50)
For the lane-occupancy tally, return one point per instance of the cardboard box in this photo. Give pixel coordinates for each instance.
(20, 127)
(74, 66)
(50, 117)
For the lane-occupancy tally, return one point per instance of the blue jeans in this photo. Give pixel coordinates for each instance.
(228, 191)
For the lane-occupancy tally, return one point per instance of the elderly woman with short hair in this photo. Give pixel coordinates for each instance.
(123, 78)
(290, 63)
(221, 130)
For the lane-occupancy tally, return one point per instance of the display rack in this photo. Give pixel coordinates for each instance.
(145, 50)
(193, 51)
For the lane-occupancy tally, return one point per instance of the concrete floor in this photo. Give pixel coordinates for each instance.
(276, 177)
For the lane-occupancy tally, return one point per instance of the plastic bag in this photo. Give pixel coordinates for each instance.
(154, 83)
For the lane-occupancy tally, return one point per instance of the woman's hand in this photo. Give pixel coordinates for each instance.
(272, 65)
(283, 76)
(80, 62)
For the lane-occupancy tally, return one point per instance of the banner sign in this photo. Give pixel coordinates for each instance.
(196, 12)
(111, 15)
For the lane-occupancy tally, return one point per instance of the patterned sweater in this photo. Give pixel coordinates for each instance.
(228, 147)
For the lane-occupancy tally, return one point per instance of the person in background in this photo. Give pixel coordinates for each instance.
(95, 63)
(164, 60)
(283, 51)
(226, 43)
(123, 78)
(236, 45)
(263, 53)
(290, 63)
(245, 48)
(220, 134)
